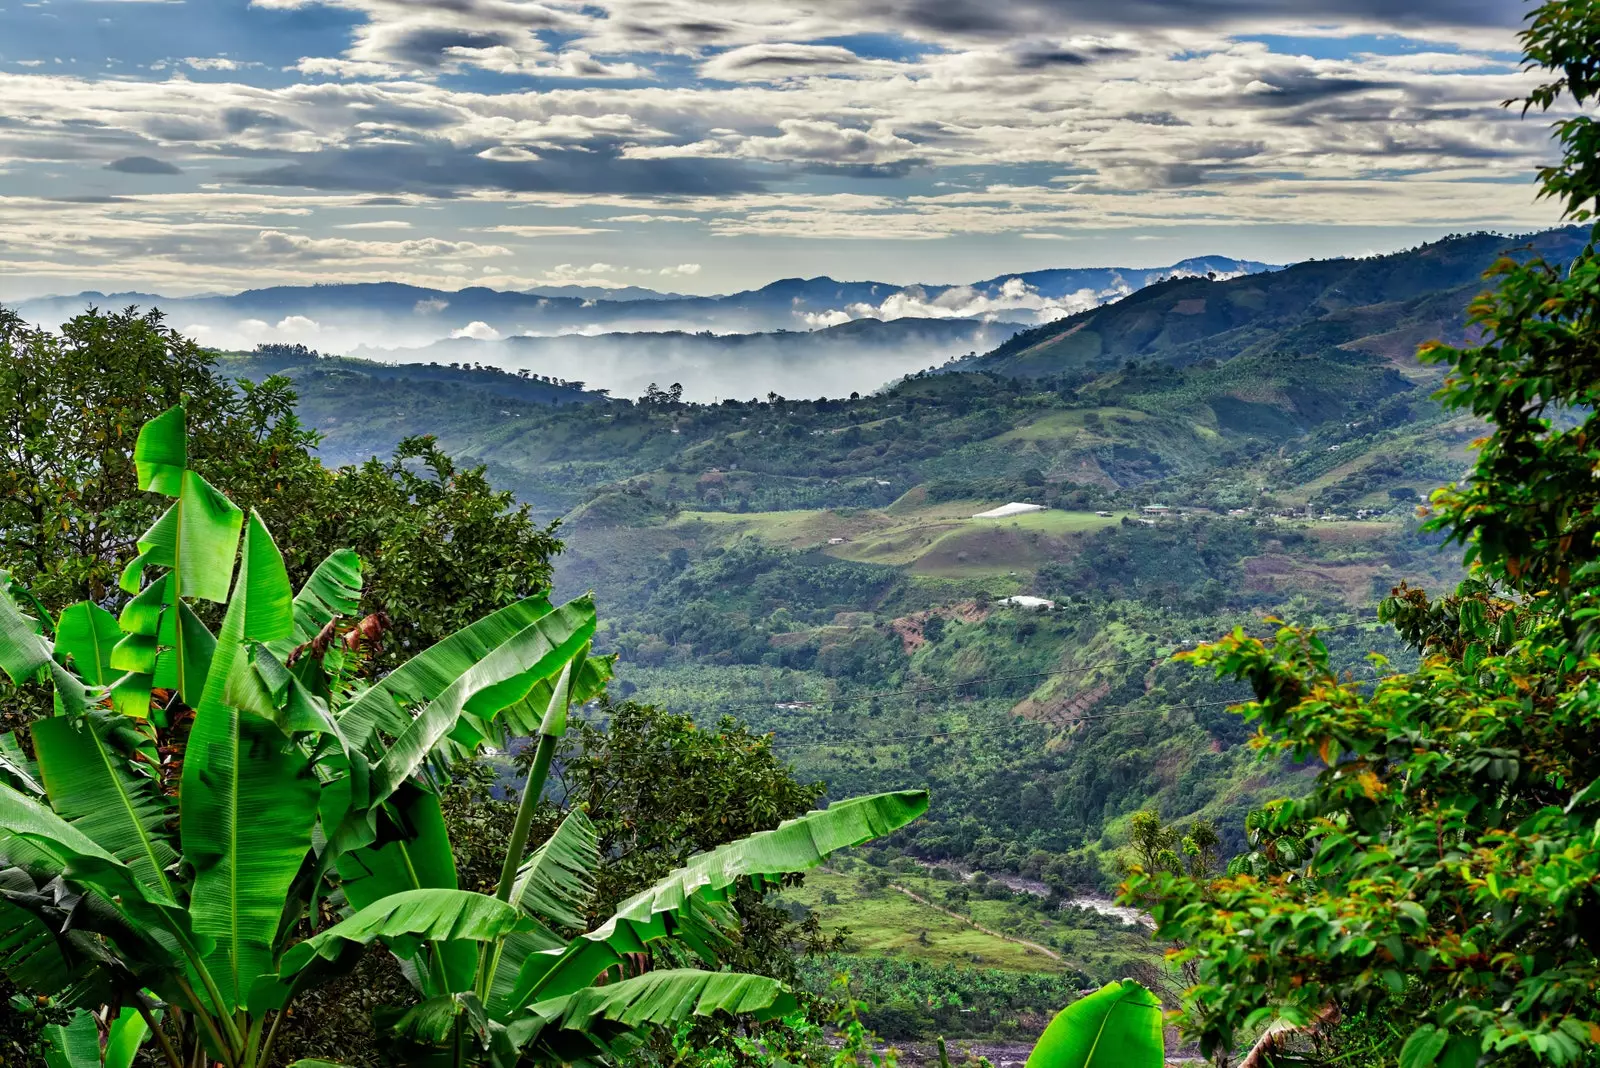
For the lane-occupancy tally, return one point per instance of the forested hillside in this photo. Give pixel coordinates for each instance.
(813, 567)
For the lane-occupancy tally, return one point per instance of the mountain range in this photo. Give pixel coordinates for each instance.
(391, 315)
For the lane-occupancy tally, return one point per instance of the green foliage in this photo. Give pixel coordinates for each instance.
(1119, 1024)
(905, 999)
(1455, 823)
(219, 932)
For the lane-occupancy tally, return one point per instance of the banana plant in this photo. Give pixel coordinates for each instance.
(1118, 1026)
(198, 807)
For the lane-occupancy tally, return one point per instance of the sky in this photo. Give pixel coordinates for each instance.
(707, 146)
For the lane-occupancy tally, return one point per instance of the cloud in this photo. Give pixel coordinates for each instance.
(376, 224)
(432, 306)
(278, 245)
(777, 62)
(443, 170)
(478, 331)
(141, 165)
(546, 231)
(682, 270)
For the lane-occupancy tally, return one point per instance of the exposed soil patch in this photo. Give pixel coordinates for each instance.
(1281, 574)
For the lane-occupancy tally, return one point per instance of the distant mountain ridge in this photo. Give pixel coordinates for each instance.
(390, 314)
(1382, 305)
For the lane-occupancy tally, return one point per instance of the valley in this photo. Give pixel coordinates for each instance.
(818, 568)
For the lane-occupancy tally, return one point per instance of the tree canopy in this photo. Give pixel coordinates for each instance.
(1455, 829)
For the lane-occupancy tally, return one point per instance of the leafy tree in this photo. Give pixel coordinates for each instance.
(442, 547)
(447, 546)
(70, 406)
(1456, 823)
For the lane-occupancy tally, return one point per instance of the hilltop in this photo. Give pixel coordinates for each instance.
(1382, 305)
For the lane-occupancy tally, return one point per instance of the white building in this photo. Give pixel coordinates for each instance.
(1023, 600)
(1009, 510)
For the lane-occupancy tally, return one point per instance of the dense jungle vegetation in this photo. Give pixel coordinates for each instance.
(302, 760)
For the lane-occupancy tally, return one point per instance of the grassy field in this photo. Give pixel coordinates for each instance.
(940, 540)
(889, 923)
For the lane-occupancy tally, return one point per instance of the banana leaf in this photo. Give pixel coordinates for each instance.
(552, 887)
(74, 1044)
(41, 842)
(249, 798)
(415, 855)
(669, 908)
(161, 452)
(1118, 1026)
(591, 1020)
(23, 650)
(85, 634)
(333, 590)
(196, 537)
(404, 921)
(22, 773)
(503, 677)
(90, 775)
(426, 676)
(557, 881)
(127, 1033)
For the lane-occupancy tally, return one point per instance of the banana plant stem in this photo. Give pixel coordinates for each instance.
(532, 791)
(141, 1003)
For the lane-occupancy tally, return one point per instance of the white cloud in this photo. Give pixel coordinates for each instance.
(682, 270)
(478, 331)
(376, 224)
(545, 231)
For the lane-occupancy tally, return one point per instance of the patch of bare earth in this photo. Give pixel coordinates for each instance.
(1063, 710)
(1271, 573)
(909, 628)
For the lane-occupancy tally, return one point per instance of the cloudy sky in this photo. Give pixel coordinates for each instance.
(714, 145)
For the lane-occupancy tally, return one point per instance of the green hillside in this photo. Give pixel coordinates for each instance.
(1383, 305)
(816, 569)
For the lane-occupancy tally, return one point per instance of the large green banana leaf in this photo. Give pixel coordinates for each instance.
(85, 635)
(1118, 1026)
(87, 763)
(557, 881)
(41, 842)
(527, 717)
(161, 452)
(503, 677)
(74, 1044)
(30, 955)
(23, 650)
(404, 921)
(572, 1026)
(416, 857)
(425, 677)
(196, 537)
(16, 770)
(127, 1033)
(249, 798)
(553, 887)
(662, 910)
